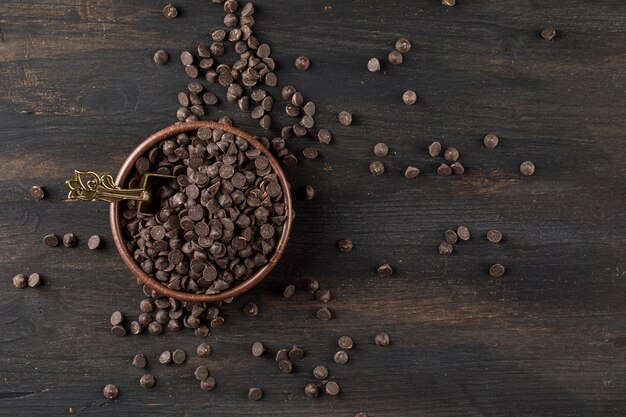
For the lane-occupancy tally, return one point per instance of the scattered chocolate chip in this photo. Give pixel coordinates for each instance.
(117, 318)
(311, 390)
(208, 384)
(70, 240)
(323, 313)
(373, 65)
(463, 232)
(170, 11)
(203, 350)
(411, 172)
(445, 248)
(258, 349)
(93, 242)
(345, 118)
(434, 149)
(20, 281)
(385, 270)
(282, 355)
(201, 373)
(494, 236)
(497, 270)
(403, 45)
(161, 57)
(322, 295)
(310, 153)
(457, 168)
(548, 34)
(255, 394)
(344, 245)
(341, 357)
(179, 356)
(451, 154)
(51, 240)
(450, 236)
(34, 280)
(118, 330)
(165, 357)
(381, 149)
(409, 97)
(448, 3)
(289, 291)
(444, 170)
(37, 192)
(395, 58)
(147, 381)
(139, 361)
(377, 168)
(527, 168)
(155, 328)
(345, 342)
(285, 366)
(491, 140)
(332, 388)
(311, 285)
(302, 63)
(308, 192)
(110, 391)
(320, 372)
(381, 339)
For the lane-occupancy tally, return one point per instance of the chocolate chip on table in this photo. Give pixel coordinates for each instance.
(497, 270)
(302, 63)
(251, 310)
(409, 97)
(37, 192)
(491, 140)
(345, 118)
(451, 154)
(208, 384)
(285, 366)
(170, 11)
(139, 361)
(411, 172)
(161, 57)
(309, 109)
(296, 353)
(311, 285)
(448, 3)
(324, 136)
(282, 354)
(308, 192)
(381, 149)
(463, 233)
(255, 394)
(257, 349)
(373, 65)
(51, 240)
(155, 328)
(385, 270)
(165, 357)
(345, 342)
(494, 236)
(289, 291)
(450, 236)
(403, 45)
(444, 170)
(341, 357)
(20, 281)
(377, 168)
(548, 34)
(202, 330)
(311, 390)
(320, 372)
(230, 6)
(310, 153)
(110, 391)
(217, 321)
(527, 168)
(203, 350)
(93, 242)
(381, 339)
(179, 356)
(34, 280)
(445, 248)
(457, 168)
(201, 373)
(395, 58)
(323, 295)
(332, 388)
(117, 318)
(324, 314)
(118, 330)
(434, 149)
(70, 240)
(147, 381)
(344, 245)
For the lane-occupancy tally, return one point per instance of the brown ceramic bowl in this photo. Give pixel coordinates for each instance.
(151, 282)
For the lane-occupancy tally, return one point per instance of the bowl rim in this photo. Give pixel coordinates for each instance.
(153, 283)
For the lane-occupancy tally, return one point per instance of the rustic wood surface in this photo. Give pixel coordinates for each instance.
(78, 89)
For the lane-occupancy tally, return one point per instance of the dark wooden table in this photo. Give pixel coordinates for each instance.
(79, 90)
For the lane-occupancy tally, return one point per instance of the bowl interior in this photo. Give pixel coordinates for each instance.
(151, 282)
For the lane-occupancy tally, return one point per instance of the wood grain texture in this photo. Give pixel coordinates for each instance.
(79, 90)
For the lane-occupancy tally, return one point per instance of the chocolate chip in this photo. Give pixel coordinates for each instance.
(170, 11)
(322, 295)
(51, 240)
(434, 149)
(251, 310)
(289, 291)
(282, 354)
(497, 270)
(117, 318)
(296, 353)
(110, 391)
(34, 280)
(451, 154)
(285, 366)
(341, 357)
(491, 140)
(93, 242)
(373, 65)
(381, 149)
(332, 388)
(311, 285)
(448, 3)
(203, 350)
(411, 172)
(548, 34)
(403, 45)
(345, 342)
(208, 384)
(395, 58)
(381, 339)
(139, 361)
(258, 349)
(302, 63)
(463, 232)
(70, 240)
(494, 236)
(310, 153)
(179, 356)
(20, 281)
(311, 390)
(445, 248)
(385, 270)
(324, 136)
(308, 192)
(320, 372)
(118, 330)
(255, 394)
(324, 314)
(344, 245)
(201, 373)
(147, 381)
(409, 97)
(155, 328)
(345, 118)
(457, 168)
(377, 168)
(37, 192)
(527, 168)
(450, 236)
(444, 170)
